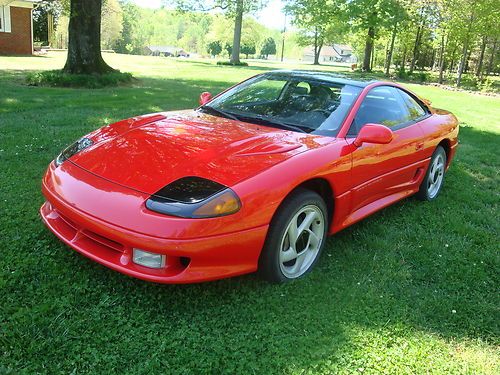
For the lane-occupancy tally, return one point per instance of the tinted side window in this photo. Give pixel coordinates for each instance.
(383, 105)
(415, 109)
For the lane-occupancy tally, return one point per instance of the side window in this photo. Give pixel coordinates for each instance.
(383, 105)
(302, 88)
(415, 109)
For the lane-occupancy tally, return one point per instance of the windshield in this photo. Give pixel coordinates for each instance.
(287, 101)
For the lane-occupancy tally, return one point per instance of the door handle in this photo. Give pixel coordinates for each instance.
(419, 146)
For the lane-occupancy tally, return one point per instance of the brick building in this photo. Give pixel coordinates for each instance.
(16, 27)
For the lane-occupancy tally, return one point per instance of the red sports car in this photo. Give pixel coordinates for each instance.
(253, 179)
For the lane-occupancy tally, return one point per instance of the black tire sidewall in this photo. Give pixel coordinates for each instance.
(269, 266)
(423, 193)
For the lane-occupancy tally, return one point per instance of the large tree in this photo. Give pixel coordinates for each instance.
(84, 47)
(371, 16)
(234, 9)
(320, 22)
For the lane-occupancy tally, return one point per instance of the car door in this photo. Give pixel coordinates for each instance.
(389, 170)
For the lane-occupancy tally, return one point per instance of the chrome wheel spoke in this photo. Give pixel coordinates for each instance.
(293, 231)
(308, 220)
(436, 175)
(299, 262)
(301, 243)
(288, 255)
(313, 239)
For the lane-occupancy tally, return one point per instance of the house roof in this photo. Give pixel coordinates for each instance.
(13, 2)
(331, 51)
(343, 47)
(325, 51)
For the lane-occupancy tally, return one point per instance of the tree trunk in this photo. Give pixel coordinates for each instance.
(403, 59)
(418, 38)
(465, 50)
(452, 63)
(462, 63)
(317, 46)
(416, 47)
(238, 21)
(391, 50)
(368, 49)
(492, 57)
(433, 60)
(467, 60)
(441, 60)
(479, 68)
(372, 62)
(84, 47)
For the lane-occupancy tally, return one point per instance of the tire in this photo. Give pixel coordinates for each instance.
(434, 177)
(277, 265)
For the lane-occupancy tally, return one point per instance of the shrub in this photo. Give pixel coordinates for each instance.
(487, 85)
(402, 74)
(57, 78)
(241, 63)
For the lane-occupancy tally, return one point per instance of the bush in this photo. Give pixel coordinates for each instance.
(415, 76)
(57, 78)
(241, 63)
(402, 74)
(487, 85)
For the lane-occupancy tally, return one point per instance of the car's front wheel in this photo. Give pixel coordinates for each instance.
(296, 237)
(433, 180)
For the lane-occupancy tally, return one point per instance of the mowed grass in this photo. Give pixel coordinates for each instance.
(411, 290)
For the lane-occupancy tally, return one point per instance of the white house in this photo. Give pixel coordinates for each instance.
(331, 53)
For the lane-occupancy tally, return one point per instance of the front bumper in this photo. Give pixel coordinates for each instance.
(188, 260)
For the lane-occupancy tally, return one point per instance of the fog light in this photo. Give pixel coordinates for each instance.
(148, 259)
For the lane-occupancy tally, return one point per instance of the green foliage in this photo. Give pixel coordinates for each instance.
(229, 63)
(487, 85)
(415, 76)
(57, 78)
(410, 290)
(229, 6)
(214, 48)
(268, 47)
(111, 24)
(248, 49)
(320, 22)
(40, 20)
(229, 49)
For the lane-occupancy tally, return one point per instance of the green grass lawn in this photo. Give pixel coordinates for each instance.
(412, 289)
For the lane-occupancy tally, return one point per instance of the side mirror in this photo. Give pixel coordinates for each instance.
(205, 97)
(373, 133)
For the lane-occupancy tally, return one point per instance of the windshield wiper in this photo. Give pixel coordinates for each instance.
(277, 123)
(219, 112)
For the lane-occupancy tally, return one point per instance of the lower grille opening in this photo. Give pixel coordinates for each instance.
(185, 261)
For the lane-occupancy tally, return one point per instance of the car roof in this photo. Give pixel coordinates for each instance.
(322, 76)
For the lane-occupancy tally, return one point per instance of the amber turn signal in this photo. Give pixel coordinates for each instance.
(224, 203)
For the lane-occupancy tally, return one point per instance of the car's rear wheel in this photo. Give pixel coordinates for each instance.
(296, 237)
(433, 180)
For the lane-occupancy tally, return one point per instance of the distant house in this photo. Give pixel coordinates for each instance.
(333, 53)
(16, 27)
(166, 51)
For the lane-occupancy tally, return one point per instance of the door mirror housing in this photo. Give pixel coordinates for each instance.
(374, 133)
(205, 97)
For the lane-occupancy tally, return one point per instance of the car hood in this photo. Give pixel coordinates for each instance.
(146, 153)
